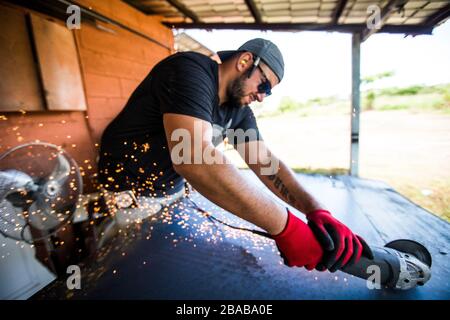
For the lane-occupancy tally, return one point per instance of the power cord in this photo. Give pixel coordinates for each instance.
(214, 219)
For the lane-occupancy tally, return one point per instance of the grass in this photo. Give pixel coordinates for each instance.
(405, 159)
(426, 102)
(321, 171)
(435, 198)
(389, 107)
(413, 98)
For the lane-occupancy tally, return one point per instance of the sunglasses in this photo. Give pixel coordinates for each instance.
(265, 86)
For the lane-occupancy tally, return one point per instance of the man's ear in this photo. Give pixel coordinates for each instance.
(243, 61)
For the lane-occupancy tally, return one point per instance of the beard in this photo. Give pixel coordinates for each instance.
(235, 91)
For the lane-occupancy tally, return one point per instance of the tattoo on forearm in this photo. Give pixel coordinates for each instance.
(284, 191)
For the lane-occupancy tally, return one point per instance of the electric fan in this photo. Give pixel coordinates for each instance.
(40, 185)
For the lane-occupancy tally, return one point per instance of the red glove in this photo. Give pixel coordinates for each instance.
(341, 246)
(298, 245)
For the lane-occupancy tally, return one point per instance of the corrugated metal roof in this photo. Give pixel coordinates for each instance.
(399, 16)
(184, 42)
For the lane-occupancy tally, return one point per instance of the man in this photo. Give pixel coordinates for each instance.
(190, 93)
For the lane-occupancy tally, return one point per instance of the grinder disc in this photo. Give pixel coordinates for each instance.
(411, 247)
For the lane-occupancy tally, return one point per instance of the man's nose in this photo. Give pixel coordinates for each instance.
(260, 96)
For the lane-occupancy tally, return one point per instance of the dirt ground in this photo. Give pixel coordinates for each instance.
(411, 152)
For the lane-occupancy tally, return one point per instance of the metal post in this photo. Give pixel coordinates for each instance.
(356, 66)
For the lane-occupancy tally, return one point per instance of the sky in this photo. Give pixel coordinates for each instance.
(318, 64)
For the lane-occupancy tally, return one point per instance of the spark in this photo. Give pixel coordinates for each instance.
(146, 146)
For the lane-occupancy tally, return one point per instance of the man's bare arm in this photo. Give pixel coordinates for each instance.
(341, 244)
(222, 183)
(283, 181)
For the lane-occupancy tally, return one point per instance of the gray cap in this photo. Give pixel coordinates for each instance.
(265, 49)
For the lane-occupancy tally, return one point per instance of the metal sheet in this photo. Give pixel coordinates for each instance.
(183, 255)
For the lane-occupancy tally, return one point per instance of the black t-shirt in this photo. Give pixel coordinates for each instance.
(134, 154)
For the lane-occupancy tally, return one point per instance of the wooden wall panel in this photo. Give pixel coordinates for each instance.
(59, 65)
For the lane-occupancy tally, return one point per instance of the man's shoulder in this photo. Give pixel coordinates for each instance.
(194, 56)
(191, 59)
(187, 67)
